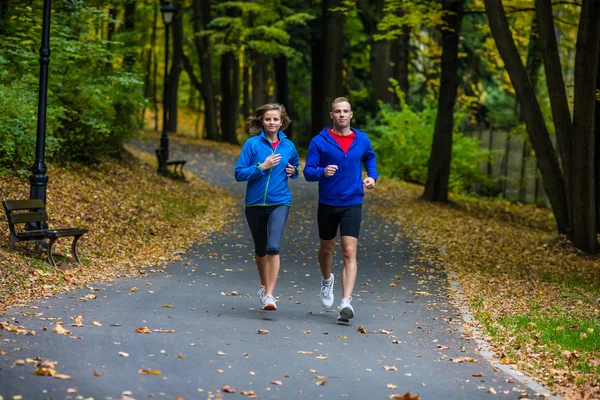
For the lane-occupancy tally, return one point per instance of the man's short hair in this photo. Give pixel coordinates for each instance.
(340, 100)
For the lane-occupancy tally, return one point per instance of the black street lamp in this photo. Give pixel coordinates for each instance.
(168, 12)
(38, 179)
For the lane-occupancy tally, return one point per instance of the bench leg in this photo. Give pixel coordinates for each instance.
(74, 249)
(50, 245)
(13, 241)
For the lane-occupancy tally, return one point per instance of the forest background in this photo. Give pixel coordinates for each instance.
(474, 98)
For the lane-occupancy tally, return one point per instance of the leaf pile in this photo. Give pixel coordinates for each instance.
(510, 264)
(135, 219)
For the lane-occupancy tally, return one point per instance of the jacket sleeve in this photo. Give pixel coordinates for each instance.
(312, 170)
(246, 168)
(369, 161)
(295, 161)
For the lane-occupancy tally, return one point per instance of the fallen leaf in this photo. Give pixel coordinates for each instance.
(228, 389)
(277, 383)
(98, 373)
(220, 353)
(405, 396)
(61, 331)
(362, 329)
(96, 323)
(62, 376)
(180, 356)
(263, 331)
(123, 354)
(304, 352)
(391, 386)
(143, 329)
(78, 321)
(390, 368)
(167, 306)
(322, 357)
(463, 359)
(321, 383)
(149, 372)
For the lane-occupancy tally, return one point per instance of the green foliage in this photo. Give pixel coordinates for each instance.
(18, 124)
(402, 140)
(92, 100)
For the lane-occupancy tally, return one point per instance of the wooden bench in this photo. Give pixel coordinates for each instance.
(28, 211)
(177, 164)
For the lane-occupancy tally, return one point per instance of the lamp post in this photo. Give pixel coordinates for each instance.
(38, 178)
(168, 12)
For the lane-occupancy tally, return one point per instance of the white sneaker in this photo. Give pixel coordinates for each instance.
(261, 294)
(327, 292)
(346, 311)
(269, 303)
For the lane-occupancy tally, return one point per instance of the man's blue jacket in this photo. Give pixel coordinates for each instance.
(345, 188)
(270, 187)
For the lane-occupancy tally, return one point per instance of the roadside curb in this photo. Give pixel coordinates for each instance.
(486, 350)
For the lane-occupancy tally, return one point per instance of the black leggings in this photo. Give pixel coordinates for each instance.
(266, 225)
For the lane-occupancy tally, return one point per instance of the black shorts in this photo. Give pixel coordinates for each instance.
(347, 218)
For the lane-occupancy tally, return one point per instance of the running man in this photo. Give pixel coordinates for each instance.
(335, 160)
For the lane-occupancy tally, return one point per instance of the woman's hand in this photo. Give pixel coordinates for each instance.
(270, 161)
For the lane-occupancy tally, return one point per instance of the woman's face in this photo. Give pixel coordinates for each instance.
(271, 122)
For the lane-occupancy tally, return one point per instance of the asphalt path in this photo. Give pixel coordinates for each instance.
(208, 335)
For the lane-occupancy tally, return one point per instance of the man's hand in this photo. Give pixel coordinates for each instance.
(270, 161)
(290, 170)
(330, 170)
(369, 183)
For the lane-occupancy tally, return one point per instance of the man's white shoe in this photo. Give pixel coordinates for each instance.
(327, 292)
(346, 311)
(261, 294)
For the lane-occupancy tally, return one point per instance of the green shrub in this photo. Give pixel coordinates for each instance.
(18, 124)
(402, 140)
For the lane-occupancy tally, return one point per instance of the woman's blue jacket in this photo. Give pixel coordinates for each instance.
(345, 188)
(270, 187)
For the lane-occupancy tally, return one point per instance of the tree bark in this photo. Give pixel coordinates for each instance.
(247, 105)
(371, 13)
(148, 85)
(175, 72)
(259, 74)
(436, 187)
(332, 58)
(201, 20)
(129, 26)
(538, 133)
(318, 116)
(230, 97)
(282, 87)
(597, 150)
(583, 208)
(3, 14)
(400, 61)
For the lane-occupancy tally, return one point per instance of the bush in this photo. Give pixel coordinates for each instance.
(18, 124)
(402, 140)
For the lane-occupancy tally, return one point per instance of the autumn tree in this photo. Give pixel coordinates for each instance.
(570, 184)
(436, 187)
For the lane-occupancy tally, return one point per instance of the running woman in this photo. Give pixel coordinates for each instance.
(267, 160)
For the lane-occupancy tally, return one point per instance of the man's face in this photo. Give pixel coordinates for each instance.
(341, 114)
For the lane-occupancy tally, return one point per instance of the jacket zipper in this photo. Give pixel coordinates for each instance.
(270, 172)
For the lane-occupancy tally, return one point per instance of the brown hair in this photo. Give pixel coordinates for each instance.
(254, 122)
(340, 100)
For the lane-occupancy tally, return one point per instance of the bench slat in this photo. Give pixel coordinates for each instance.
(13, 205)
(65, 232)
(23, 218)
(31, 234)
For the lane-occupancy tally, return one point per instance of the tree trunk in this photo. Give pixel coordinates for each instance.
(371, 13)
(148, 85)
(597, 151)
(282, 87)
(401, 60)
(536, 127)
(230, 97)
(129, 26)
(247, 106)
(259, 75)
(318, 115)
(201, 20)
(436, 187)
(3, 14)
(175, 72)
(583, 207)
(332, 58)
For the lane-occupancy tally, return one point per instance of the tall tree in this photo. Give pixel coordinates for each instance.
(282, 88)
(571, 190)
(175, 71)
(331, 59)
(129, 30)
(371, 13)
(400, 58)
(436, 187)
(201, 42)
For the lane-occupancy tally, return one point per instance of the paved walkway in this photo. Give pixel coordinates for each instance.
(204, 319)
